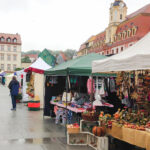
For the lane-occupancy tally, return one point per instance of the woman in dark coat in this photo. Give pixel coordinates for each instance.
(14, 89)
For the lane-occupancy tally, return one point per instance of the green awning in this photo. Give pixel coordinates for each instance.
(81, 66)
(48, 57)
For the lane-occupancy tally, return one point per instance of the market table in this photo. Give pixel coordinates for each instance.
(76, 110)
(131, 136)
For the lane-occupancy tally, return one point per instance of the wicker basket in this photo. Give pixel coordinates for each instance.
(88, 117)
(73, 130)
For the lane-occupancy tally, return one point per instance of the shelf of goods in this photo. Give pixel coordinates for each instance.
(86, 138)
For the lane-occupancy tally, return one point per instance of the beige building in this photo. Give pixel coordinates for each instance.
(10, 52)
(25, 65)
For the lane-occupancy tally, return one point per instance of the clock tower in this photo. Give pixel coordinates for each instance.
(118, 11)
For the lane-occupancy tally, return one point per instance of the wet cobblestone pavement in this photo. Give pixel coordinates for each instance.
(28, 130)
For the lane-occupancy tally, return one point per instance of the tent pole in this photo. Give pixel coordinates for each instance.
(67, 90)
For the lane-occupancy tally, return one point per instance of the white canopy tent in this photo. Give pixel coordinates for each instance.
(136, 57)
(38, 68)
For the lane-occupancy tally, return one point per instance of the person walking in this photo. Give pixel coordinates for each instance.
(14, 90)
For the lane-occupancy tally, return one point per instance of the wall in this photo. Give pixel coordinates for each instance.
(39, 88)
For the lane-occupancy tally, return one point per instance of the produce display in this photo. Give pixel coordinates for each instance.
(106, 120)
(30, 89)
(134, 120)
(90, 115)
(73, 128)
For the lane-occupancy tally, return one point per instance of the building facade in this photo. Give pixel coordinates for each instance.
(32, 57)
(10, 52)
(123, 30)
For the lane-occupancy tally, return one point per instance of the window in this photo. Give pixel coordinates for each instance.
(8, 40)
(14, 67)
(15, 48)
(115, 15)
(8, 67)
(128, 33)
(107, 52)
(133, 31)
(121, 17)
(8, 57)
(2, 66)
(14, 57)
(15, 40)
(1, 56)
(117, 50)
(9, 48)
(2, 47)
(121, 48)
(2, 39)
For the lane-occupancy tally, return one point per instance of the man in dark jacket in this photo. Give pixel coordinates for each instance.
(14, 89)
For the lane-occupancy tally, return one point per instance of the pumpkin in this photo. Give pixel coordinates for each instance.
(103, 130)
(97, 131)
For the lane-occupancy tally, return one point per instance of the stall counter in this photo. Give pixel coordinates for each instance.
(131, 136)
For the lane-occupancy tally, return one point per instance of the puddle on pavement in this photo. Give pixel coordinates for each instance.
(36, 140)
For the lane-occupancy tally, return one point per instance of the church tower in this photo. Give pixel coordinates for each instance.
(118, 12)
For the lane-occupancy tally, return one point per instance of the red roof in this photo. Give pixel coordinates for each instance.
(143, 26)
(145, 9)
(83, 46)
(63, 56)
(11, 36)
(100, 36)
(31, 55)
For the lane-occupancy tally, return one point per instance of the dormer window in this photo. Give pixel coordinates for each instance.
(128, 33)
(8, 40)
(2, 39)
(15, 40)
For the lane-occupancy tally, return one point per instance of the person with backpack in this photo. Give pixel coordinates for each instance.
(14, 90)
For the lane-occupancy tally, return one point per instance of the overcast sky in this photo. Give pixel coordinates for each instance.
(57, 24)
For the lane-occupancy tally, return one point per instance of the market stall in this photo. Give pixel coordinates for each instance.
(131, 123)
(74, 82)
(35, 79)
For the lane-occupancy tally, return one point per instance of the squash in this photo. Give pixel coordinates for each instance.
(103, 130)
(99, 131)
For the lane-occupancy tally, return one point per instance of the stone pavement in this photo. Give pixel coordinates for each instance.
(28, 130)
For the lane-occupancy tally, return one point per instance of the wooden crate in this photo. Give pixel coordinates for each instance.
(77, 139)
(86, 126)
(73, 130)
